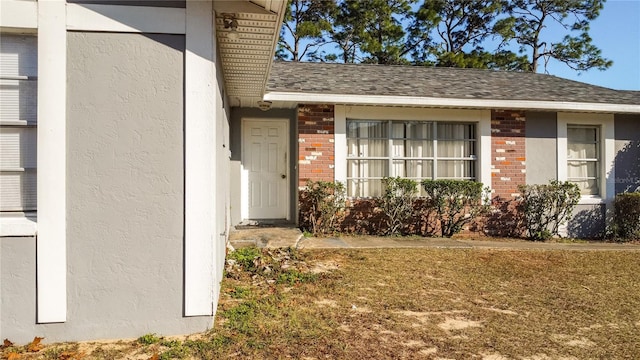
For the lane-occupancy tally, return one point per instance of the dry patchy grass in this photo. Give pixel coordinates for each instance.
(418, 303)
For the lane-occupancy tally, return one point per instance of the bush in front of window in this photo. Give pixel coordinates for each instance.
(548, 206)
(627, 216)
(322, 206)
(456, 202)
(397, 201)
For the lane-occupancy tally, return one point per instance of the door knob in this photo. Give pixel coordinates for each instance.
(283, 176)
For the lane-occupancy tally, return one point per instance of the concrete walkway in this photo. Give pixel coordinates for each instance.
(417, 242)
(287, 235)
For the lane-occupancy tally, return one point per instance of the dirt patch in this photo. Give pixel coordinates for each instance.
(493, 357)
(326, 303)
(590, 328)
(360, 309)
(324, 267)
(429, 351)
(582, 342)
(451, 324)
(501, 311)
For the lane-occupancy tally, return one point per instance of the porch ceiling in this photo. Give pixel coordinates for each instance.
(246, 59)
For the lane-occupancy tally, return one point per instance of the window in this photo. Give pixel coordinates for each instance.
(18, 132)
(583, 158)
(410, 149)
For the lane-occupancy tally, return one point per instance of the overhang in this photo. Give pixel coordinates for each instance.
(247, 48)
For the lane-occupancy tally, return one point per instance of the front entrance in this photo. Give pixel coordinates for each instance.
(265, 169)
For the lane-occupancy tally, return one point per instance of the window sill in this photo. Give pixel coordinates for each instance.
(591, 200)
(17, 226)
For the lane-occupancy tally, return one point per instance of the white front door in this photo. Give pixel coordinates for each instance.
(264, 162)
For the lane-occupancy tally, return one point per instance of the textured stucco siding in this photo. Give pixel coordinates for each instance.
(236, 154)
(541, 147)
(18, 290)
(627, 133)
(587, 221)
(125, 217)
(125, 196)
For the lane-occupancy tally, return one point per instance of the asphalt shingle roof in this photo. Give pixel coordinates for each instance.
(421, 81)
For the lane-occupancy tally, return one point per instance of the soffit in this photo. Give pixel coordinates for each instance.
(247, 58)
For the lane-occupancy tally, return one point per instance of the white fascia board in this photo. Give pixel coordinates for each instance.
(19, 14)
(121, 18)
(200, 131)
(51, 249)
(450, 102)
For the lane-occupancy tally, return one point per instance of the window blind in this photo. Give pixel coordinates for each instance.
(18, 120)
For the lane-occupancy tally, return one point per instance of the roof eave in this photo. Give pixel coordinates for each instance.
(417, 101)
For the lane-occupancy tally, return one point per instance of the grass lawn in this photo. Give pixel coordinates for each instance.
(410, 303)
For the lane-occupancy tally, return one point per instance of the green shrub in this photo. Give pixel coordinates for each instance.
(292, 277)
(246, 257)
(397, 202)
(322, 206)
(240, 317)
(627, 215)
(148, 339)
(456, 202)
(548, 206)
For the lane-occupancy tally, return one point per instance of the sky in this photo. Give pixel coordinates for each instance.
(617, 33)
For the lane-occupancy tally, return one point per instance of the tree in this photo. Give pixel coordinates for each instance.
(374, 31)
(530, 17)
(462, 27)
(344, 34)
(306, 22)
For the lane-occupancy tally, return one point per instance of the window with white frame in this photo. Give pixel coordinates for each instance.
(18, 132)
(583, 158)
(410, 149)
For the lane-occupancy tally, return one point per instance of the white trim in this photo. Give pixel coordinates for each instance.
(340, 142)
(51, 249)
(199, 158)
(484, 149)
(17, 226)
(244, 186)
(608, 153)
(121, 18)
(561, 143)
(423, 114)
(19, 14)
(382, 100)
(482, 117)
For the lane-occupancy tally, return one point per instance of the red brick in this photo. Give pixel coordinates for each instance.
(506, 121)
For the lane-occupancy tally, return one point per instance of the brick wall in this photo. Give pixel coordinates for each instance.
(316, 148)
(508, 168)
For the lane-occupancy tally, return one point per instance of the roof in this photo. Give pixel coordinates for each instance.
(402, 81)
